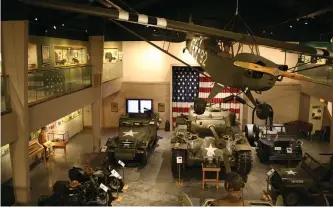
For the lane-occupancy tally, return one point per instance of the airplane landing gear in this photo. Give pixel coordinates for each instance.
(200, 106)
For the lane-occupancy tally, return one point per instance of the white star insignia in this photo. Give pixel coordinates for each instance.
(210, 150)
(291, 172)
(130, 133)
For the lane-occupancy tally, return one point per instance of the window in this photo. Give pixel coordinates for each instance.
(138, 105)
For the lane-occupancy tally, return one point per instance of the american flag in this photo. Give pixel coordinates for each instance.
(187, 85)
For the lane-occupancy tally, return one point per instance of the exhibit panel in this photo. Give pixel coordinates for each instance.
(112, 61)
(32, 56)
(6, 165)
(69, 55)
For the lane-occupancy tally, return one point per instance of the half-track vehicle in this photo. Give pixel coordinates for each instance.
(310, 183)
(273, 143)
(212, 137)
(136, 138)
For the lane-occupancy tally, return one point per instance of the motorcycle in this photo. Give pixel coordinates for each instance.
(107, 175)
(74, 193)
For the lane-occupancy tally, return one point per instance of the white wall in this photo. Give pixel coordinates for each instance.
(144, 63)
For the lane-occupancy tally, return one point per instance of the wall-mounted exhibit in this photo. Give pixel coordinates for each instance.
(70, 55)
(112, 61)
(32, 56)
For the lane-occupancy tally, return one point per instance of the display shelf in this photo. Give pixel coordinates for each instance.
(36, 151)
(56, 136)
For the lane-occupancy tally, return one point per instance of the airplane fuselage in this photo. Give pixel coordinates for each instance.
(222, 69)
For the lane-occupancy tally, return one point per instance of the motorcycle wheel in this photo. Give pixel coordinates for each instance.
(116, 184)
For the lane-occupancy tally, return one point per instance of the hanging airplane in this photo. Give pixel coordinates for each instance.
(213, 49)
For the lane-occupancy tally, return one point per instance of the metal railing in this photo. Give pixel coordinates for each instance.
(5, 100)
(112, 71)
(51, 83)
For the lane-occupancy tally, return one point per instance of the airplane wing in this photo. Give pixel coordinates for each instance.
(179, 26)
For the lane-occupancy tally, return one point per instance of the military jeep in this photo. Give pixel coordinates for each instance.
(136, 138)
(273, 143)
(310, 183)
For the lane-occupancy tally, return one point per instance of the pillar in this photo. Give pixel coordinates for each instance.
(96, 48)
(15, 62)
(331, 137)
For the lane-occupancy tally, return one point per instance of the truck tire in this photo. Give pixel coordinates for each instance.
(144, 158)
(291, 197)
(251, 133)
(115, 184)
(263, 153)
(174, 166)
(244, 163)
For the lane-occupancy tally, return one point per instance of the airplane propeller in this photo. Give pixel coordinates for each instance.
(272, 71)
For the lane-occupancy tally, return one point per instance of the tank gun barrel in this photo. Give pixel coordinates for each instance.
(178, 26)
(217, 137)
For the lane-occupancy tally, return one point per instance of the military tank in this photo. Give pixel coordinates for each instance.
(212, 137)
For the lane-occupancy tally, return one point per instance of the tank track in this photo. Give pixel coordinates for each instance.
(244, 162)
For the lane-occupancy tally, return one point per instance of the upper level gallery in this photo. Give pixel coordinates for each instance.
(59, 80)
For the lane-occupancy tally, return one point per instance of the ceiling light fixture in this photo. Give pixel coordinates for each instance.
(45, 31)
(63, 25)
(86, 31)
(36, 19)
(54, 27)
(305, 22)
(290, 26)
(271, 33)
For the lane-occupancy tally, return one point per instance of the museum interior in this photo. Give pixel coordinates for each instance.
(165, 103)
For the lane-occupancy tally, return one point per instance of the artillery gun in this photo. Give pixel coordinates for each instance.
(213, 137)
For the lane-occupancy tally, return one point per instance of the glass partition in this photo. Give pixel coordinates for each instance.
(5, 102)
(46, 84)
(112, 71)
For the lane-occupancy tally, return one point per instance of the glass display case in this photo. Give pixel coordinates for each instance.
(36, 151)
(70, 55)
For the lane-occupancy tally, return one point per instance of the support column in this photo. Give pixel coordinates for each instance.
(331, 137)
(96, 47)
(15, 63)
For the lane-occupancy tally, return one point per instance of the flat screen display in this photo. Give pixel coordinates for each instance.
(138, 105)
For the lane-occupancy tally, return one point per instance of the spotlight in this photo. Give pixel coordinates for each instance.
(86, 31)
(290, 26)
(305, 22)
(271, 33)
(36, 19)
(63, 25)
(264, 31)
(45, 31)
(54, 27)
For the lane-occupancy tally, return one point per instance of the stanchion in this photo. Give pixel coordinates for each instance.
(123, 168)
(179, 162)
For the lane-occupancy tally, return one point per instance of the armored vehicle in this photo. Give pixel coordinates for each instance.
(136, 138)
(273, 143)
(310, 183)
(213, 138)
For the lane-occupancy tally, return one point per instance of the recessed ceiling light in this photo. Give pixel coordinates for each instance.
(271, 33)
(45, 30)
(305, 22)
(290, 26)
(36, 19)
(86, 30)
(54, 27)
(63, 25)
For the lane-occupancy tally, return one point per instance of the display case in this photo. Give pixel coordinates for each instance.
(36, 151)
(70, 55)
(56, 136)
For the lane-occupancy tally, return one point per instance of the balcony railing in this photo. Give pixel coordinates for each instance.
(112, 71)
(48, 84)
(5, 101)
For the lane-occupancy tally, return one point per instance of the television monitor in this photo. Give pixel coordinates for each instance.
(138, 105)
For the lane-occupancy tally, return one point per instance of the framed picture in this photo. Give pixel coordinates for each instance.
(114, 107)
(45, 55)
(161, 107)
(111, 55)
